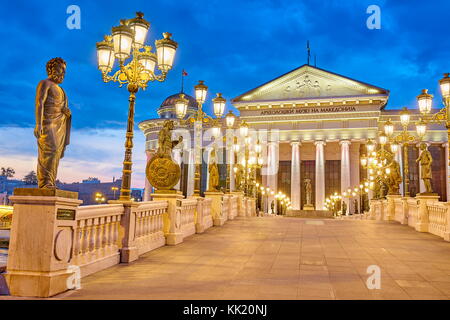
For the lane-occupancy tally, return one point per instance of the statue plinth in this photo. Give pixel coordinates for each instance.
(422, 214)
(216, 207)
(308, 207)
(172, 218)
(42, 240)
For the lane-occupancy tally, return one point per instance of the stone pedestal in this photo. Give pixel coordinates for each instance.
(199, 221)
(218, 215)
(129, 252)
(308, 207)
(405, 208)
(422, 214)
(390, 210)
(447, 227)
(241, 208)
(172, 218)
(42, 240)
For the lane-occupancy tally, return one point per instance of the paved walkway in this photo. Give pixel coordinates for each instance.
(284, 258)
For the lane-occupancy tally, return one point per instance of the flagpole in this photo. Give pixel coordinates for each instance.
(182, 81)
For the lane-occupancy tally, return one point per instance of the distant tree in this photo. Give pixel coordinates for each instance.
(7, 172)
(30, 178)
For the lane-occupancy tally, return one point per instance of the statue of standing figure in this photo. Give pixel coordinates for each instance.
(308, 191)
(53, 123)
(394, 178)
(213, 171)
(425, 159)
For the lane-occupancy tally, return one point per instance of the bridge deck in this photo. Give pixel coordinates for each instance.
(284, 258)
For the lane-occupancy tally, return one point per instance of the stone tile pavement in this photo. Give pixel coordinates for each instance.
(283, 258)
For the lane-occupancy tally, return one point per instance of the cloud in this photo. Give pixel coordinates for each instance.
(91, 153)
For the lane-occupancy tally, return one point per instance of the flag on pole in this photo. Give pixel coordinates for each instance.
(184, 73)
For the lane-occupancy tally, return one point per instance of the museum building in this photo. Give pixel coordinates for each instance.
(314, 124)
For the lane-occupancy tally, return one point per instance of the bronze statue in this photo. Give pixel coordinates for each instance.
(394, 178)
(308, 191)
(213, 172)
(162, 172)
(53, 123)
(239, 177)
(165, 143)
(272, 207)
(425, 161)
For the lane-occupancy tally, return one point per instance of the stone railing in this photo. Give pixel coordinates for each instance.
(438, 217)
(204, 219)
(186, 210)
(413, 209)
(424, 213)
(63, 241)
(96, 243)
(226, 207)
(149, 224)
(234, 207)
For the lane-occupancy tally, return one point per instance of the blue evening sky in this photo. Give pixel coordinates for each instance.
(233, 45)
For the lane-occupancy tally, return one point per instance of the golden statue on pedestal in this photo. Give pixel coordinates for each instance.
(53, 122)
(394, 176)
(425, 159)
(213, 170)
(239, 177)
(162, 172)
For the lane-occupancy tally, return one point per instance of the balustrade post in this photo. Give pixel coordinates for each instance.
(422, 214)
(172, 217)
(41, 248)
(447, 224)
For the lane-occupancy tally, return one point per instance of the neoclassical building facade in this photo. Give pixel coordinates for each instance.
(313, 124)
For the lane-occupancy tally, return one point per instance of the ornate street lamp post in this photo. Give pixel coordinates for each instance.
(198, 118)
(425, 101)
(127, 44)
(404, 138)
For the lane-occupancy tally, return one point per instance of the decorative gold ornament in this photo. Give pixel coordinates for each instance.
(162, 172)
(213, 172)
(425, 159)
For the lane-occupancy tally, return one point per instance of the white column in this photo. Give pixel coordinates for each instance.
(191, 173)
(421, 183)
(447, 171)
(230, 158)
(345, 172)
(176, 154)
(272, 174)
(208, 156)
(295, 175)
(398, 157)
(320, 175)
(148, 186)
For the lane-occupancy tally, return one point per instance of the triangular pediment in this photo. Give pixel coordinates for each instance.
(308, 82)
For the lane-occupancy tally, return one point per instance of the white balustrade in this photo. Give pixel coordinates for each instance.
(187, 212)
(96, 244)
(149, 225)
(437, 217)
(207, 213)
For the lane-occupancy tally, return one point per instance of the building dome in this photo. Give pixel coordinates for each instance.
(167, 108)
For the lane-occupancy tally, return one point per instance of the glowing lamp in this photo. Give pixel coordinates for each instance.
(230, 119)
(404, 117)
(122, 40)
(140, 28)
(444, 84)
(165, 51)
(421, 128)
(425, 100)
(219, 105)
(181, 106)
(105, 55)
(200, 91)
